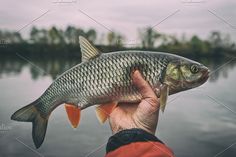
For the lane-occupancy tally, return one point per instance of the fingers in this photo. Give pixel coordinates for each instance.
(145, 89)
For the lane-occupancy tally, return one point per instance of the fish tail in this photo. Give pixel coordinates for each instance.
(30, 113)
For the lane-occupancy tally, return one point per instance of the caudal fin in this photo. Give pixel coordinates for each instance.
(29, 113)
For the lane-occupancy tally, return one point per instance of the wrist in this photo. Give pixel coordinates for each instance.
(135, 124)
(127, 136)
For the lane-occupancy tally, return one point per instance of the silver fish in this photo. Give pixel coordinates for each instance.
(106, 79)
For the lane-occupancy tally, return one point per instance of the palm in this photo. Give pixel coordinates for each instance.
(142, 115)
(122, 117)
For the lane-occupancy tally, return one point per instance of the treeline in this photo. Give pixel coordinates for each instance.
(54, 36)
(216, 44)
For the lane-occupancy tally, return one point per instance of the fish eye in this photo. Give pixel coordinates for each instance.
(194, 69)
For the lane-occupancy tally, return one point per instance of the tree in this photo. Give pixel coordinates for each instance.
(148, 37)
(115, 39)
(196, 45)
(39, 35)
(216, 42)
(34, 35)
(215, 39)
(120, 39)
(43, 36)
(69, 34)
(55, 36)
(91, 35)
(111, 38)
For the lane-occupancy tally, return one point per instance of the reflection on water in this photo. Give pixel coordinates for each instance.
(192, 125)
(38, 67)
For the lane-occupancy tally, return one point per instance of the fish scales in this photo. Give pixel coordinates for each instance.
(103, 78)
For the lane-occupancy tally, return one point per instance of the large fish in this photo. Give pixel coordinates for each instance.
(105, 80)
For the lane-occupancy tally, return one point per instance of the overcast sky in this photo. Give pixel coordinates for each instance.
(124, 16)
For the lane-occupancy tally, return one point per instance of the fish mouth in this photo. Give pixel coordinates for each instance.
(205, 75)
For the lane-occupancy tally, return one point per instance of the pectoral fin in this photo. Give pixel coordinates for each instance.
(164, 96)
(103, 111)
(73, 113)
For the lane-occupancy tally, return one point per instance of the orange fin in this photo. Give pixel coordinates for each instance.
(73, 113)
(104, 110)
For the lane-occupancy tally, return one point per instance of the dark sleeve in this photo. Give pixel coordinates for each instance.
(136, 142)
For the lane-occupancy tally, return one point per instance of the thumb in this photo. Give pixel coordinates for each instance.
(149, 102)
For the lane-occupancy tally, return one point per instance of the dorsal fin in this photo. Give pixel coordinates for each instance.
(87, 49)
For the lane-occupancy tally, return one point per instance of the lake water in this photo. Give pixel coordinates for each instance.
(198, 122)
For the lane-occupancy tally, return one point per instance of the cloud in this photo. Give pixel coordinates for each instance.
(124, 16)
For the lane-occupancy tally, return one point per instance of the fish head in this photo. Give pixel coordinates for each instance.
(182, 74)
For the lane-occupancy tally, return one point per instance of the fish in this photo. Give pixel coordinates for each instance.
(105, 80)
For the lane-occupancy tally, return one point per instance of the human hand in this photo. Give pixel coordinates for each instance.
(143, 115)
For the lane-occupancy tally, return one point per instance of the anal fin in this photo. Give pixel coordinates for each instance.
(104, 110)
(73, 113)
(163, 96)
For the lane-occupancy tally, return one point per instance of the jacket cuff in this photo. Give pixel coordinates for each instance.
(128, 136)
